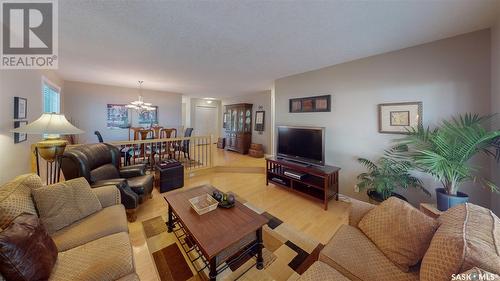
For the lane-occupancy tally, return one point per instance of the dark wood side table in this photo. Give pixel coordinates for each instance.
(318, 183)
(219, 234)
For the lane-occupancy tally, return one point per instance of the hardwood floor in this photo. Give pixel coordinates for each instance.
(304, 214)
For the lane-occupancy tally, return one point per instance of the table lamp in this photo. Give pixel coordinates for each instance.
(51, 125)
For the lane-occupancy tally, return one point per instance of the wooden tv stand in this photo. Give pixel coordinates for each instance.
(319, 183)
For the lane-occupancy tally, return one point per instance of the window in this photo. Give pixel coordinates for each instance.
(51, 97)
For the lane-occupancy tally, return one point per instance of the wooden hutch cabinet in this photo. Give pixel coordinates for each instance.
(238, 127)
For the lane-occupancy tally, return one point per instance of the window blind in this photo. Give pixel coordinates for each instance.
(51, 99)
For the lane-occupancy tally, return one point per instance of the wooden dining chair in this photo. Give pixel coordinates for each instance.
(135, 131)
(167, 148)
(157, 131)
(183, 146)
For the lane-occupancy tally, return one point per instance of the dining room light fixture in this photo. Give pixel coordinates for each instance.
(139, 104)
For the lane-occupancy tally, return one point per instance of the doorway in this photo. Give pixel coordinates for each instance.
(205, 121)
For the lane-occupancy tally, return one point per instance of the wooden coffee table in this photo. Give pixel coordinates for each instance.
(220, 234)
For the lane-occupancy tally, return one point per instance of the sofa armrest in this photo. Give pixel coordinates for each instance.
(358, 210)
(108, 195)
(133, 171)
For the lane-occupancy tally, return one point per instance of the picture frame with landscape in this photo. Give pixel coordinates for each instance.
(398, 118)
(117, 116)
(149, 116)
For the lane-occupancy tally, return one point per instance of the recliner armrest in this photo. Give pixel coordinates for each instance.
(133, 171)
(116, 182)
(129, 198)
(108, 195)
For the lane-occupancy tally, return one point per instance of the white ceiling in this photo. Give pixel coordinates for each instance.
(229, 48)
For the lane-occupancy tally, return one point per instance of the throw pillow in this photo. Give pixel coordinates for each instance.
(469, 236)
(26, 250)
(15, 197)
(400, 231)
(64, 203)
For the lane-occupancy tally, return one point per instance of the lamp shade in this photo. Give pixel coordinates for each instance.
(49, 123)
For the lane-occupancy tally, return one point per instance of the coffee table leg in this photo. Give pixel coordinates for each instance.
(170, 223)
(213, 269)
(260, 260)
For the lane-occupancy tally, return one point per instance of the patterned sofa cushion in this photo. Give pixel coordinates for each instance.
(15, 198)
(320, 271)
(105, 259)
(469, 236)
(351, 253)
(108, 221)
(64, 203)
(400, 231)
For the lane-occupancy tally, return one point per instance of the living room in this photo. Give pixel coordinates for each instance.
(250, 140)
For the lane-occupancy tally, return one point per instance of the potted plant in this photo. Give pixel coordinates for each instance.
(385, 176)
(444, 153)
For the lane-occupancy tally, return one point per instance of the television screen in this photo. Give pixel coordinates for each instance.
(301, 144)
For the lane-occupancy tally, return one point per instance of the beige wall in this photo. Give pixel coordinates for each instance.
(449, 76)
(27, 84)
(259, 99)
(495, 103)
(86, 105)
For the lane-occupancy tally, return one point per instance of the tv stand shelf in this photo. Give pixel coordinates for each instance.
(318, 183)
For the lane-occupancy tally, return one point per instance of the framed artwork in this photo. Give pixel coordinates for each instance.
(20, 137)
(20, 108)
(259, 121)
(117, 117)
(149, 117)
(397, 118)
(311, 104)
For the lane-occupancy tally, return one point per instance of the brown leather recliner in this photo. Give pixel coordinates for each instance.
(99, 163)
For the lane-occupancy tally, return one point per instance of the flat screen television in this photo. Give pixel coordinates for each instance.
(301, 144)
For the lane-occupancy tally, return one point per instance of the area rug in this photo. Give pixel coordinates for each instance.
(287, 253)
(171, 264)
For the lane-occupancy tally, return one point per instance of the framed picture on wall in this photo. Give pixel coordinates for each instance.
(117, 116)
(398, 118)
(149, 116)
(20, 137)
(311, 104)
(259, 121)
(20, 108)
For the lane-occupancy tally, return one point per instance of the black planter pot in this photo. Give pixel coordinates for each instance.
(376, 198)
(446, 201)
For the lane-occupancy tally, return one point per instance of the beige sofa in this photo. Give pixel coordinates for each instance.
(94, 248)
(350, 255)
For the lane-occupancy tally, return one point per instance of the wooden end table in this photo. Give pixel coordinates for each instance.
(219, 234)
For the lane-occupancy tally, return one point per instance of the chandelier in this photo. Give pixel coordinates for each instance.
(139, 104)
